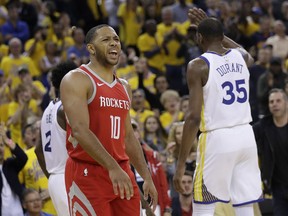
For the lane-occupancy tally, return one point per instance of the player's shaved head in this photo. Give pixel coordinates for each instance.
(93, 32)
(211, 29)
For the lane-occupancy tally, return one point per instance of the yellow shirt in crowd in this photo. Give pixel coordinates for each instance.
(166, 119)
(10, 67)
(33, 177)
(15, 129)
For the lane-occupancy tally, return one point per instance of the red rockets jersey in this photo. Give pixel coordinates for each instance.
(108, 108)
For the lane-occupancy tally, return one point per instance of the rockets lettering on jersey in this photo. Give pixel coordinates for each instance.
(114, 102)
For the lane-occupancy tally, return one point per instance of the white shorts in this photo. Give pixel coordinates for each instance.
(57, 191)
(227, 167)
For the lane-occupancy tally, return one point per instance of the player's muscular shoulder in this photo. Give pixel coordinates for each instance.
(78, 81)
(198, 69)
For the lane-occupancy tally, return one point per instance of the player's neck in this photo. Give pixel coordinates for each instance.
(216, 47)
(106, 73)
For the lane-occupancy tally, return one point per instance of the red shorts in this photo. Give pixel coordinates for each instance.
(90, 191)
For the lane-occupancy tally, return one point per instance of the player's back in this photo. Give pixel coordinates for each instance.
(53, 139)
(226, 93)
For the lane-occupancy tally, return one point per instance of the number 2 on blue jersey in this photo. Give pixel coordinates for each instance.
(47, 146)
(230, 96)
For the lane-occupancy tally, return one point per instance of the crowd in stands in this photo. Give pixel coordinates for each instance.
(157, 44)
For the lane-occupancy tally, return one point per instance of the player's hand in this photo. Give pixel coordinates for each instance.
(149, 212)
(121, 182)
(196, 15)
(149, 189)
(177, 178)
(44, 194)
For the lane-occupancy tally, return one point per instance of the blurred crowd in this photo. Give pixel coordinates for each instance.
(157, 44)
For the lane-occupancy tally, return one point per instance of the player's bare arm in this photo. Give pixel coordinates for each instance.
(136, 156)
(197, 74)
(39, 148)
(196, 15)
(75, 90)
(229, 43)
(61, 118)
(40, 156)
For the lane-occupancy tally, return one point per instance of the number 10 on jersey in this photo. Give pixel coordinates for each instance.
(115, 127)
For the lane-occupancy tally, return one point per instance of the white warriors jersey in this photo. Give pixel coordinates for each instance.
(226, 93)
(53, 140)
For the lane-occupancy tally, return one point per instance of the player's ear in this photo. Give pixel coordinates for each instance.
(91, 49)
(199, 38)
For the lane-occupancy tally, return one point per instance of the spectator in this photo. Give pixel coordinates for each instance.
(147, 77)
(157, 173)
(14, 27)
(124, 69)
(62, 41)
(144, 83)
(152, 11)
(19, 111)
(149, 46)
(271, 135)
(259, 38)
(256, 70)
(182, 205)
(36, 87)
(139, 110)
(65, 21)
(33, 177)
(89, 13)
(172, 151)
(10, 187)
(161, 85)
(35, 46)
(170, 99)
(112, 8)
(249, 23)
(279, 41)
(154, 134)
(131, 17)
(78, 51)
(29, 137)
(47, 15)
(172, 34)
(5, 96)
(10, 64)
(212, 9)
(27, 13)
(273, 78)
(48, 61)
(32, 203)
(180, 11)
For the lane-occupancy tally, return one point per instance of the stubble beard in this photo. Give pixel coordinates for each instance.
(104, 61)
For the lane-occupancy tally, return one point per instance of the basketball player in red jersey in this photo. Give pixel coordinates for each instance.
(100, 139)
